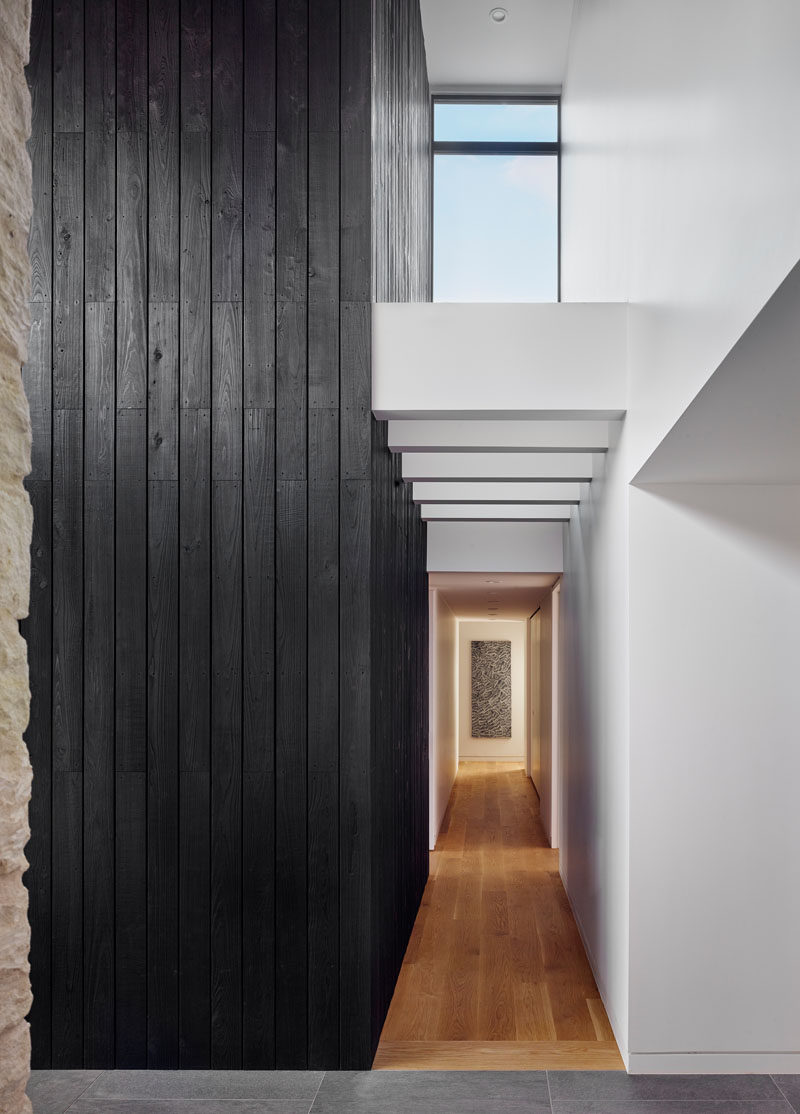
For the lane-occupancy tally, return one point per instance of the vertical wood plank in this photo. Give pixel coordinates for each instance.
(227, 390)
(162, 776)
(132, 203)
(292, 165)
(68, 64)
(131, 737)
(195, 69)
(98, 688)
(100, 170)
(259, 65)
(131, 920)
(291, 387)
(195, 596)
(67, 897)
(226, 144)
(67, 590)
(194, 919)
(131, 591)
(226, 775)
(195, 270)
(323, 738)
(356, 131)
(258, 726)
(163, 390)
(291, 619)
(355, 898)
(195, 736)
(163, 150)
(68, 271)
(259, 269)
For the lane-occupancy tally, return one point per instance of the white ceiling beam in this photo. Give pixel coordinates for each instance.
(511, 467)
(454, 491)
(498, 436)
(493, 512)
(495, 547)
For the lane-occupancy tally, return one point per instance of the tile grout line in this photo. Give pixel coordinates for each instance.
(319, 1087)
(783, 1093)
(91, 1083)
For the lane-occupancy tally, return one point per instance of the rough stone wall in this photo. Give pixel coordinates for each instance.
(15, 537)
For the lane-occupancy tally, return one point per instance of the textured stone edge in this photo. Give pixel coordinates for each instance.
(16, 522)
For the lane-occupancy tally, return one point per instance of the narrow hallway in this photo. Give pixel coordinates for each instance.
(495, 974)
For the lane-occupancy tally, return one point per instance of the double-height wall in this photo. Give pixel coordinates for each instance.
(227, 634)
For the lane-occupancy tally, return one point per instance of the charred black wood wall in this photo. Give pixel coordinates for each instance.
(228, 620)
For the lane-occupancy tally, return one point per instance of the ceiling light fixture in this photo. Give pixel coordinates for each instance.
(498, 15)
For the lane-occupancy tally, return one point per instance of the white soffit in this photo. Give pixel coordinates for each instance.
(511, 467)
(492, 492)
(495, 436)
(466, 50)
(487, 547)
(490, 512)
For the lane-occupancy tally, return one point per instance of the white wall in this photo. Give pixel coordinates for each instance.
(505, 750)
(679, 195)
(512, 360)
(680, 181)
(443, 732)
(715, 769)
(594, 730)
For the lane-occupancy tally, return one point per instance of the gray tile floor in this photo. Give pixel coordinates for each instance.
(406, 1092)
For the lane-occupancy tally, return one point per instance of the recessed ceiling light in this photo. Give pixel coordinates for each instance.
(498, 15)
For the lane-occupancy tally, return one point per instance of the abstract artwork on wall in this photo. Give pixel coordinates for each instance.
(491, 690)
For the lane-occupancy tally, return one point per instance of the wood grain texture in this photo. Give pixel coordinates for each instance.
(498, 1056)
(258, 741)
(228, 625)
(226, 148)
(68, 270)
(98, 753)
(495, 973)
(100, 87)
(162, 775)
(291, 756)
(195, 270)
(67, 920)
(163, 150)
(226, 775)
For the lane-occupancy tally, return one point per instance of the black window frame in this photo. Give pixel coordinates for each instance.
(489, 147)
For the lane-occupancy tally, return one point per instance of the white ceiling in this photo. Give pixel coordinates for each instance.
(468, 52)
(492, 595)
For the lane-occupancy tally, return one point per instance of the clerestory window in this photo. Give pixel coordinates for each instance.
(495, 200)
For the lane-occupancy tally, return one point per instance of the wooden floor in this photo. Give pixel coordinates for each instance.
(495, 975)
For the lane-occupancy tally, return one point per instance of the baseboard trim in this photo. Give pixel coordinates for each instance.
(713, 1063)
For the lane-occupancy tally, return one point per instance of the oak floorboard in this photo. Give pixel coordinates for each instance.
(497, 1056)
(495, 975)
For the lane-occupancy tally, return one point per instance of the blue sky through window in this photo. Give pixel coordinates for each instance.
(495, 220)
(495, 217)
(525, 123)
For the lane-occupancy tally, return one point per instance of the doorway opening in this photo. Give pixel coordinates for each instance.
(495, 975)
